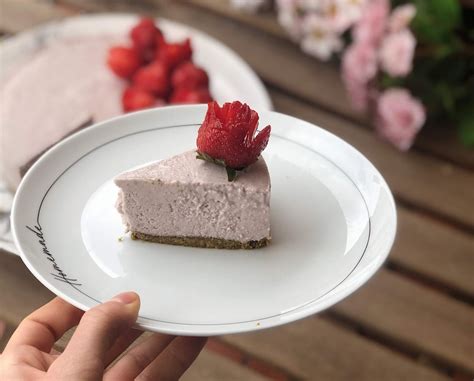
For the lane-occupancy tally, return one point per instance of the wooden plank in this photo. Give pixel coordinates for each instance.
(416, 317)
(299, 72)
(316, 349)
(415, 178)
(266, 21)
(21, 292)
(435, 250)
(132, 6)
(210, 366)
(6, 334)
(17, 15)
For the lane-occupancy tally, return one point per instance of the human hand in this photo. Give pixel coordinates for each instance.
(103, 333)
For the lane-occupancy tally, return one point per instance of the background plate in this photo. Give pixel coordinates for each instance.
(231, 77)
(333, 224)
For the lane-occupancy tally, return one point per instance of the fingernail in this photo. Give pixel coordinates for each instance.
(126, 297)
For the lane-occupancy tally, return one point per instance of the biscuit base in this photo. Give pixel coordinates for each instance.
(206, 242)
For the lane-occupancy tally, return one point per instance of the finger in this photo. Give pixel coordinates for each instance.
(98, 330)
(138, 358)
(45, 326)
(122, 343)
(174, 360)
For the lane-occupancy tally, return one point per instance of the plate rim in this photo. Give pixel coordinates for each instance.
(219, 328)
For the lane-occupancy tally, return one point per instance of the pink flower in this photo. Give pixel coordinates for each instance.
(396, 53)
(288, 17)
(359, 62)
(372, 24)
(358, 94)
(319, 38)
(399, 117)
(344, 13)
(312, 5)
(401, 17)
(359, 66)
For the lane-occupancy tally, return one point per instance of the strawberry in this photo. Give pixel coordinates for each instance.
(189, 76)
(183, 95)
(174, 54)
(123, 61)
(227, 136)
(159, 41)
(134, 98)
(144, 34)
(153, 78)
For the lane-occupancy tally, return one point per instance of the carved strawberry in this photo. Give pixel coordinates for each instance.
(189, 76)
(123, 61)
(184, 95)
(154, 78)
(174, 53)
(134, 98)
(145, 37)
(228, 136)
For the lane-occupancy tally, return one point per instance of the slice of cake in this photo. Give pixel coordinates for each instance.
(217, 196)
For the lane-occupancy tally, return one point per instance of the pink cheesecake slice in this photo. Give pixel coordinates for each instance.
(190, 202)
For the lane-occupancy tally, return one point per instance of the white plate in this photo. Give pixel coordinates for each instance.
(231, 77)
(332, 214)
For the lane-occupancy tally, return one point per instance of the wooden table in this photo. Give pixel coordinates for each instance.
(415, 319)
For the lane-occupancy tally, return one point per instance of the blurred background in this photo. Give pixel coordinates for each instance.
(393, 78)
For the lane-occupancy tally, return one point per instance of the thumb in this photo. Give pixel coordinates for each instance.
(96, 333)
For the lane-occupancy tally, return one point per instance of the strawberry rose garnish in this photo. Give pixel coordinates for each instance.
(227, 137)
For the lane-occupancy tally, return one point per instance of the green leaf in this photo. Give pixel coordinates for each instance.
(466, 124)
(436, 20)
(388, 81)
(210, 159)
(466, 130)
(231, 172)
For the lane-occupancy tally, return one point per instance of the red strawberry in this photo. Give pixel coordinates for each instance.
(228, 134)
(134, 98)
(153, 78)
(159, 41)
(123, 61)
(189, 76)
(183, 95)
(144, 34)
(174, 54)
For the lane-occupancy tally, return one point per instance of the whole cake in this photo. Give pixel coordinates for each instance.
(217, 196)
(63, 87)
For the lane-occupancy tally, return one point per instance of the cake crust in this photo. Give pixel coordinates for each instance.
(203, 242)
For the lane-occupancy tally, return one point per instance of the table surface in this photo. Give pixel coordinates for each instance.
(415, 319)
